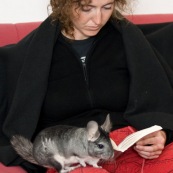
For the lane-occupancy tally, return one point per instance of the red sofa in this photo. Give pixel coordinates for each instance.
(12, 33)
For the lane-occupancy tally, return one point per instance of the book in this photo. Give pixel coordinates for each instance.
(131, 139)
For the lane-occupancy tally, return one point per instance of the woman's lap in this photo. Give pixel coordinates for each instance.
(131, 162)
(127, 162)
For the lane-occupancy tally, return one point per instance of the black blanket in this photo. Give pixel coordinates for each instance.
(24, 70)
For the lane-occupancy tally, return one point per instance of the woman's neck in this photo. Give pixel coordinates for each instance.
(76, 36)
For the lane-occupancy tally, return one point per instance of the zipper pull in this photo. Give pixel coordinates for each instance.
(83, 59)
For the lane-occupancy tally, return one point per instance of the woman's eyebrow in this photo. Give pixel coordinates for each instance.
(89, 5)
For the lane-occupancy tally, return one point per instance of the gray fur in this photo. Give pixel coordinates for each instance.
(62, 146)
(19, 143)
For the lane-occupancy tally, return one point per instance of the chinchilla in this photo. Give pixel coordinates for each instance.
(66, 147)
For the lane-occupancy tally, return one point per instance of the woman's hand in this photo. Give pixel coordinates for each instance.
(152, 145)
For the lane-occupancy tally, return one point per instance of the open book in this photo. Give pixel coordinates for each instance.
(133, 138)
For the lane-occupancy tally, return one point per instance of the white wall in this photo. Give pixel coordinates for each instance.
(153, 6)
(13, 11)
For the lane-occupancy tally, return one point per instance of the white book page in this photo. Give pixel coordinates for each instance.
(134, 137)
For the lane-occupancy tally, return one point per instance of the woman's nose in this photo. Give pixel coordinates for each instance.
(97, 17)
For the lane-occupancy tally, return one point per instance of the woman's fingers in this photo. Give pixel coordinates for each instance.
(152, 145)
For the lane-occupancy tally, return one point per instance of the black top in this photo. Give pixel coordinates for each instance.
(80, 46)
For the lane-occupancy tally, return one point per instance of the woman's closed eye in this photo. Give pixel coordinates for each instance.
(86, 8)
(108, 7)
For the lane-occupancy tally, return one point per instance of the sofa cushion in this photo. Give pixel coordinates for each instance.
(12, 33)
(150, 18)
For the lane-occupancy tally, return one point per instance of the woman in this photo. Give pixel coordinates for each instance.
(84, 62)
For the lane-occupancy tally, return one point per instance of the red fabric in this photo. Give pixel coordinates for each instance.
(23, 29)
(130, 161)
(150, 18)
(11, 169)
(12, 33)
(7, 34)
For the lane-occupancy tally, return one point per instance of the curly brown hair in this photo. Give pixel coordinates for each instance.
(62, 10)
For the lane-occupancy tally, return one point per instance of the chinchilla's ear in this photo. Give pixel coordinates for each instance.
(92, 131)
(107, 125)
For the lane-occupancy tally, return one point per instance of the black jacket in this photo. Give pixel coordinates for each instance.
(24, 71)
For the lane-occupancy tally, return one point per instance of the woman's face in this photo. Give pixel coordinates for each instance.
(91, 18)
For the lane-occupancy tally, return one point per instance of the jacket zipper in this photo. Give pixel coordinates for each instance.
(84, 64)
(83, 61)
(85, 70)
(84, 67)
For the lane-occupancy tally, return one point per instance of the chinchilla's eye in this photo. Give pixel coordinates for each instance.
(101, 146)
